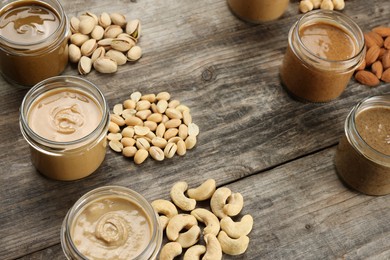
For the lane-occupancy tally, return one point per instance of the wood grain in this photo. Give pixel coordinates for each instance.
(226, 71)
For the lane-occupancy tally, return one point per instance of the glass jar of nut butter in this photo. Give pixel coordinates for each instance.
(33, 40)
(363, 155)
(111, 222)
(258, 11)
(65, 120)
(324, 49)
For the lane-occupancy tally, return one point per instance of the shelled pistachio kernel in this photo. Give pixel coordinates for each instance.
(159, 131)
(109, 32)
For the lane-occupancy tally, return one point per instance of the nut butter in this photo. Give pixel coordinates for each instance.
(65, 120)
(324, 49)
(111, 222)
(33, 41)
(363, 155)
(257, 11)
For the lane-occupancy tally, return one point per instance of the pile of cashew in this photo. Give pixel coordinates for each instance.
(221, 233)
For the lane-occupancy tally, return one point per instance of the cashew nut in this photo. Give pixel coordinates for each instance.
(170, 251)
(190, 237)
(163, 220)
(237, 229)
(194, 252)
(164, 207)
(204, 191)
(218, 201)
(210, 220)
(235, 203)
(178, 197)
(179, 222)
(213, 248)
(233, 246)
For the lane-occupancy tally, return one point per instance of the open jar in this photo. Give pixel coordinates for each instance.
(324, 49)
(363, 155)
(111, 222)
(257, 11)
(65, 120)
(33, 40)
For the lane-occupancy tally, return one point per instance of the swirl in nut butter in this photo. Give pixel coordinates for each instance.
(64, 115)
(28, 24)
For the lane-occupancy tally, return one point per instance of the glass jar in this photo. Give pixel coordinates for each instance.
(257, 11)
(105, 203)
(363, 155)
(65, 120)
(33, 40)
(318, 69)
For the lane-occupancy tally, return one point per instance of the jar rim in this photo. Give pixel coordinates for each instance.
(50, 84)
(330, 16)
(27, 48)
(355, 138)
(96, 193)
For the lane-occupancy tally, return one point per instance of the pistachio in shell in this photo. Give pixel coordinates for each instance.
(104, 20)
(118, 19)
(105, 65)
(133, 28)
(74, 24)
(88, 47)
(117, 56)
(84, 65)
(78, 39)
(122, 44)
(112, 31)
(97, 32)
(74, 53)
(134, 53)
(86, 25)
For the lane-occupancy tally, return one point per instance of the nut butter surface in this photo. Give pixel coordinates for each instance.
(28, 23)
(111, 227)
(64, 115)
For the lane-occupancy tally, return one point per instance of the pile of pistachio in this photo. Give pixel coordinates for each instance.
(151, 124)
(103, 42)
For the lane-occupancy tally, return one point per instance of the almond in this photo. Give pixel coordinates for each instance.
(386, 43)
(386, 76)
(377, 69)
(367, 78)
(362, 65)
(382, 51)
(372, 54)
(377, 38)
(382, 31)
(386, 60)
(370, 41)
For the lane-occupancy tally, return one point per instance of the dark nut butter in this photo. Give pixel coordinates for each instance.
(363, 154)
(33, 41)
(324, 50)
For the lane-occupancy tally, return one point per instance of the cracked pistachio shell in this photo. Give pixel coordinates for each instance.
(118, 19)
(97, 32)
(89, 14)
(105, 65)
(112, 31)
(78, 39)
(86, 25)
(88, 47)
(74, 53)
(133, 28)
(85, 65)
(127, 36)
(134, 53)
(104, 20)
(117, 56)
(74, 24)
(99, 52)
(122, 44)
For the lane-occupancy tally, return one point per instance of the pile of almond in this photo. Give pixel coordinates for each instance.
(376, 66)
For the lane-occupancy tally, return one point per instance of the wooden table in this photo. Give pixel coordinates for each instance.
(254, 138)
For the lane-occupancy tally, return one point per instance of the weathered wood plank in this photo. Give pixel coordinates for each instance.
(226, 71)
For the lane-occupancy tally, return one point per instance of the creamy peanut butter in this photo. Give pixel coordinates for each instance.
(321, 57)
(64, 115)
(111, 227)
(33, 41)
(256, 11)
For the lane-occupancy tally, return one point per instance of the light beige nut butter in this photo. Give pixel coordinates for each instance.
(111, 223)
(33, 40)
(64, 119)
(257, 11)
(324, 50)
(363, 155)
